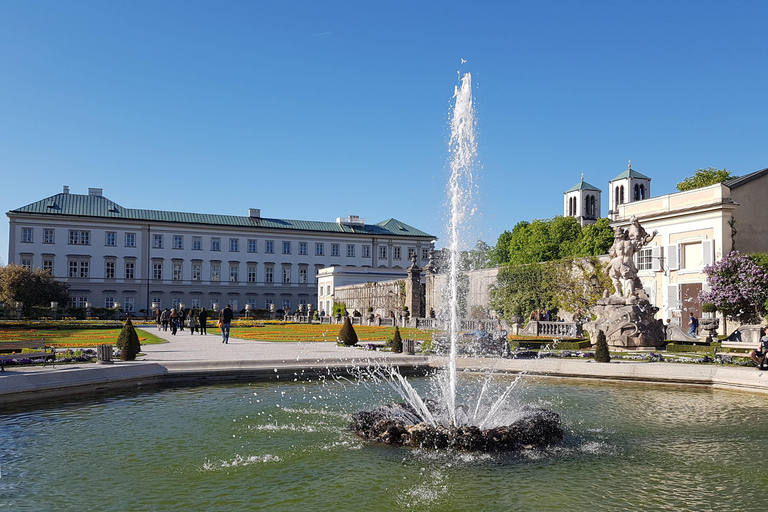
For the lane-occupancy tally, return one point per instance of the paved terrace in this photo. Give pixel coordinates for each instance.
(201, 359)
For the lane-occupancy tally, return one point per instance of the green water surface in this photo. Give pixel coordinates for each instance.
(285, 446)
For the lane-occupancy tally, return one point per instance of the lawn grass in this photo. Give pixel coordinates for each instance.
(73, 338)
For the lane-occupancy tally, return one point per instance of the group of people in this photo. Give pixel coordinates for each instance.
(541, 315)
(178, 319)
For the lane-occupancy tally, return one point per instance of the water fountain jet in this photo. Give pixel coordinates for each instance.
(444, 423)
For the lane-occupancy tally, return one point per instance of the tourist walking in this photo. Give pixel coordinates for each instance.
(174, 321)
(182, 318)
(202, 320)
(165, 318)
(225, 319)
(192, 321)
(694, 325)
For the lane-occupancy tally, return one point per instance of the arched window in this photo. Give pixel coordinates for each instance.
(637, 192)
(592, 207)
(642, 191)
(621, 195)
(616, 197)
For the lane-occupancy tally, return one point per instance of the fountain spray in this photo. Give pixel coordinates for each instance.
(463, 152)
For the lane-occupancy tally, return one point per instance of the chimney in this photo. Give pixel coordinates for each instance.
(66, 189)
(254, 213)
(95, 191)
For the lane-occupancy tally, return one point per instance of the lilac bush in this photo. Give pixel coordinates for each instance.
(738, 287)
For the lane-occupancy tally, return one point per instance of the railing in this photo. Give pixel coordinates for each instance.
(554, 329)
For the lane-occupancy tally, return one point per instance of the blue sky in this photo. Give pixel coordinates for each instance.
(320, 109)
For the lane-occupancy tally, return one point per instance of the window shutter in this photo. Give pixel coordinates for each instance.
(708, 252)
(673, 257)
(673, 301)
(656, 258)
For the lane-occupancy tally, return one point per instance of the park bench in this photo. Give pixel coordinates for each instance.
(6, 350)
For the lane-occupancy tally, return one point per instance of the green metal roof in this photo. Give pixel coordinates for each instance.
(631, 173)
(583, 185)
(79, 205)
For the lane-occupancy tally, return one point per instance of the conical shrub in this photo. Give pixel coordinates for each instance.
(128, 342)
(602, 355)
(347, 334)
(397, 342)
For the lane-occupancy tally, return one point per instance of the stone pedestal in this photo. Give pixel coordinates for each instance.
(628, 324)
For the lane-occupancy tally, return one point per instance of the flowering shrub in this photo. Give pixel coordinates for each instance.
(738, 287)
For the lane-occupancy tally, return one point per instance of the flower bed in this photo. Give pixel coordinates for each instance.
(324, 332)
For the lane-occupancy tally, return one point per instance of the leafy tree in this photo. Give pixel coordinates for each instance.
(738, 288)
(500, 253)
(602, 354)
(339, 309)
(519, 289)
(34, 288)
(703, 178)
(347, 334)
(128, 342)
(479, 257)
(553, 239)
(595, 239)
(569, 282)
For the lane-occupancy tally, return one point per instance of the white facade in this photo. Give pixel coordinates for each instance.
(693, 232)
(109, 254)
(328, 279)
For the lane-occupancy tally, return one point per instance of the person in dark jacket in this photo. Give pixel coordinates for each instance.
(225, 316)
(202, 318)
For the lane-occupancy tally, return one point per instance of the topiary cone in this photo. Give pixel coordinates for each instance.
(347, 334)
(397, 342)
(602, 355)
(128, 342)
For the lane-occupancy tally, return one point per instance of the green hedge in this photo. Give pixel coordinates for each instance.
(540, 344)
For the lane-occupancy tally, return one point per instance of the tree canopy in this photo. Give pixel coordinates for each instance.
(738, 287)
(32, 287)
(519, 289)
(704, 177)
(552, 239)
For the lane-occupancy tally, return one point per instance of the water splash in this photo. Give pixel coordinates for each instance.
(463, 151)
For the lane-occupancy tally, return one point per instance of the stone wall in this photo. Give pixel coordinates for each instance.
(386, 297)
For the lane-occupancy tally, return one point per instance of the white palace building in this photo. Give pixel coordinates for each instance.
(108, 253)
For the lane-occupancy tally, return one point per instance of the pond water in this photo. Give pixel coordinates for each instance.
(285, 446)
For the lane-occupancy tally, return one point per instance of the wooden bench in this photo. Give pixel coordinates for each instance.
(6, 350)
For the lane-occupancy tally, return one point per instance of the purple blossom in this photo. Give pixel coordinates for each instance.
(738, 287)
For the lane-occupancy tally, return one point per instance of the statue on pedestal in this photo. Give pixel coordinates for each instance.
(627, 317)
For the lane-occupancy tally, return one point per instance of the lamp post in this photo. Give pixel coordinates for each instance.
(116, 307)
(155, 309)
(19, 307)
(247, 310)
(54, 308)
(88, 309)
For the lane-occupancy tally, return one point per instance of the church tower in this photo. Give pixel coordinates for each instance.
(582, 201)
(627, 187)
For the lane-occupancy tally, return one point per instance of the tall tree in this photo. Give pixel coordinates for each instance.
(704, 177)
(479, 257)
(500, 253)
(595, 239)
(34, 288)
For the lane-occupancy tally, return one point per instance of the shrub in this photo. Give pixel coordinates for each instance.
(397, 342)
(708, 307)
(128, 342)
(347, 334)
(602, 355)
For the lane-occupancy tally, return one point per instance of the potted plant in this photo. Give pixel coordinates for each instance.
(370, 313)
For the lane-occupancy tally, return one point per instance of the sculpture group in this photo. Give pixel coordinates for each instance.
(627, 317)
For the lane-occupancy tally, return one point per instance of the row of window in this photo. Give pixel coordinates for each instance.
(177, 273)
(82, 268)
(128, 304)
(197, 303)
(83, 237)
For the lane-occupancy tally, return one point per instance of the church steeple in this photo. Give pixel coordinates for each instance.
(582, 201)
(627, 187)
